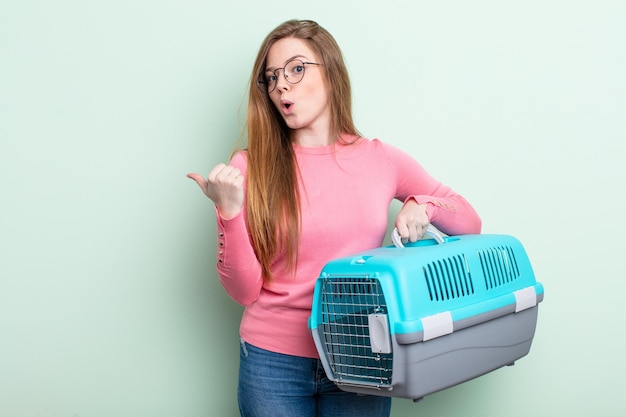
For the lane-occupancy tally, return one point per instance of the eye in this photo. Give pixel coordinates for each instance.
(297, 69)
(270, 78)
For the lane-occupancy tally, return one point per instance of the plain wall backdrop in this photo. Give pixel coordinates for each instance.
(109, 300)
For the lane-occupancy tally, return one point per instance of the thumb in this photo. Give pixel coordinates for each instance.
(200, 180)
(196, 177)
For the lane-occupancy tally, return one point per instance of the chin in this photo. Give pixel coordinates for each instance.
(293, 124)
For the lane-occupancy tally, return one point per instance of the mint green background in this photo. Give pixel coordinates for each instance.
(109, 300)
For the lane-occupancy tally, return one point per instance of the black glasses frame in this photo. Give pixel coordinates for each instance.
(264, 86)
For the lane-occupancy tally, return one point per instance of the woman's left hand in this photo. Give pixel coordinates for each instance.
(412, 221)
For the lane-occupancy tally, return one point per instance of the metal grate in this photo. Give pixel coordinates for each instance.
(448, 278)
(499, 266)
(346, 303)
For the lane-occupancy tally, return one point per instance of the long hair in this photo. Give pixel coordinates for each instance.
(273, 198)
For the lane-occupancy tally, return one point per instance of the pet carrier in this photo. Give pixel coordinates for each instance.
(410, 321)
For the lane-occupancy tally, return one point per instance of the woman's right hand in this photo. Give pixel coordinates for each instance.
(224, 185)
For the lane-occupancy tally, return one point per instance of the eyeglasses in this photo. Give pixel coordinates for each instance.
(293, 72)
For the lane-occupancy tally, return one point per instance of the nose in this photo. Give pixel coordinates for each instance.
(281, 81)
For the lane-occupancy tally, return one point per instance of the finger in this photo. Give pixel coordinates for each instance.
(202, 183)
(223, 173)
(199, 179)
(423, 228)
(216, 172)
(415, 233)
(228, 174)
(239, 181)
(403, 231)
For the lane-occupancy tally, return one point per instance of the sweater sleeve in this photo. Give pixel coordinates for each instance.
(237, 265)
(447, 210)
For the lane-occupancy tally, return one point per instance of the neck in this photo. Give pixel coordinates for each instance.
(312, 138)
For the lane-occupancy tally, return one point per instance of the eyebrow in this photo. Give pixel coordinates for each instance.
(290, 59)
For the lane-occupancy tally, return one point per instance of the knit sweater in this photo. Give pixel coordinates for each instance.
(345, 192)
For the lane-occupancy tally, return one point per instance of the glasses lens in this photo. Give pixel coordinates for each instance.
(268, 81)
(294, 71)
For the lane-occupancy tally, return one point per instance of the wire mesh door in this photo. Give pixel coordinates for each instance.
(346, 304)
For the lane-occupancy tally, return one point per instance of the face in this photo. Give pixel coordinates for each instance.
(303, 106)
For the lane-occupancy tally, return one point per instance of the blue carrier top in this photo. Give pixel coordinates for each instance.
(425, 290)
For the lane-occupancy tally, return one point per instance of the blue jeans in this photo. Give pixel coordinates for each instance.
(276, 385)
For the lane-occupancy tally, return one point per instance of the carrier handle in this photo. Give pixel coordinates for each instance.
(430, 231)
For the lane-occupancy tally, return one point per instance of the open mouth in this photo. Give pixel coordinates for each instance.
(286, 104)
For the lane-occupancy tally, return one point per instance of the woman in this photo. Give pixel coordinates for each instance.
(308, 189)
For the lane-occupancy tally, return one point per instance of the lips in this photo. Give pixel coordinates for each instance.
(286, 106)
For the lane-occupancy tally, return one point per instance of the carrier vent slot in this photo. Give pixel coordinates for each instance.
(499, 266)
(448, 278)
(346, 303)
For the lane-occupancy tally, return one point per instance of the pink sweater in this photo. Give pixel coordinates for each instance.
(346, 192)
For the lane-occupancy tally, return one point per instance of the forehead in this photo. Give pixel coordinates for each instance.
(285, 49)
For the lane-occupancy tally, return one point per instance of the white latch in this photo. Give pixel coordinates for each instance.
(525, 298)
(437, 325)
(380, 339)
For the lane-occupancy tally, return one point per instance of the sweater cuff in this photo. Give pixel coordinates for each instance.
(228, 227)
(433, 205)
(234, 223)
